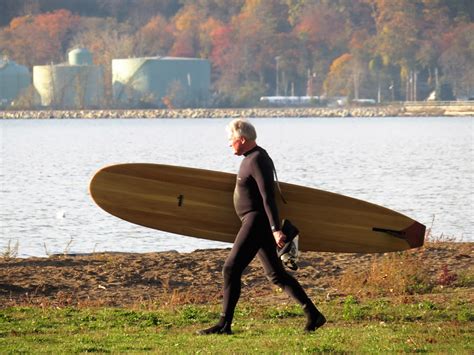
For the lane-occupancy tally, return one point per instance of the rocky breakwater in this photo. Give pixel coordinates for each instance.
(376, 111)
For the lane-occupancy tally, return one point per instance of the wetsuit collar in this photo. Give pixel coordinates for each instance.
(251, 150)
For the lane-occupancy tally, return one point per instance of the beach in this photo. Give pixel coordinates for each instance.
(126, 279)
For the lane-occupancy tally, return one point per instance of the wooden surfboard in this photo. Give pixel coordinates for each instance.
(199, 203)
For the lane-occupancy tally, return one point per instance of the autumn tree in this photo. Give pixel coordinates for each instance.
(186, 32)
(322, 32)
(252, 41)
(457, 59)
(399, 25)
(155, 37)
(39, 39)
(384, 49)
(336, 83)
(221, 10)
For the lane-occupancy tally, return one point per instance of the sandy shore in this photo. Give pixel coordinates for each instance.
(121, 279)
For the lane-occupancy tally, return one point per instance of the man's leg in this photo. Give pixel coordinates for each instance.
(243, 251)
(277, 274)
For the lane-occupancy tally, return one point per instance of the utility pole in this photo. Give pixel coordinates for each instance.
(415, 80)
(310, 83)
(277, 59)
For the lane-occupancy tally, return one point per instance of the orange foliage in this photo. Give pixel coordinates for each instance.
(336, 82)
(331, 39)
(359, 39)
(187, 19)
(339, 63)
(321, 25)
(56, 23)
(156, 36)
(155, 26)
(206, 31)
(20, 21)
(186, 24)
(221, 37)
(42, 38)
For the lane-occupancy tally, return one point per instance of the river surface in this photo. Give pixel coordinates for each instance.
(421, 167)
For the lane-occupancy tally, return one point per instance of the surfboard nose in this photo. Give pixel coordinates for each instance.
(415, 234)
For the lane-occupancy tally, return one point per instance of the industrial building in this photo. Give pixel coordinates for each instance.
(14, 78)
(147, 81)
(76, 84)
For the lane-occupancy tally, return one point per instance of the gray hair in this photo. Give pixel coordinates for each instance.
(242, 128)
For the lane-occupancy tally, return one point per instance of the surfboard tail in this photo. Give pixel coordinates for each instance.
(415, 234)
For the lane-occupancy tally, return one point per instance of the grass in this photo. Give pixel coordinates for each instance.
(421, 324)
(10, 251)
(396, 305)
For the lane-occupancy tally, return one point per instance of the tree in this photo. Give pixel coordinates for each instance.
(398, 34)
(376, 66)
(336, 83)
(39, 39)
(221, 10)
(457, 58)
(321, 29)
(155, 37)
(245, 51)
(374, 45)
(186, 32)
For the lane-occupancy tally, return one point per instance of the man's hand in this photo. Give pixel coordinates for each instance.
(280, 238)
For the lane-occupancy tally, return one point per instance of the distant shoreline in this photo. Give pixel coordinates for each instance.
(402, 110)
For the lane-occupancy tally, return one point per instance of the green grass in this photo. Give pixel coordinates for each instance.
(373, 325)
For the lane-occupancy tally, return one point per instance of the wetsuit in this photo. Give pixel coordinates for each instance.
(254, 201)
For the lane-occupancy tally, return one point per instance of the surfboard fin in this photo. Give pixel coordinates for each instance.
(414, 234)
(393, 233)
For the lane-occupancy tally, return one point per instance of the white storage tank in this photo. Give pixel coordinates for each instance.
(80, 56)
(14, 78)
(139, 81)
(77, 84)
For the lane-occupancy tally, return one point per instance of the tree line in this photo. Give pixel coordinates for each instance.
(386, 50)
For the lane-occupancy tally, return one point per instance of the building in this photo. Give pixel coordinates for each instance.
(155, 81)
(76, 84)
(14, 79)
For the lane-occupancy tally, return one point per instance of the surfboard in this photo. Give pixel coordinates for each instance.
(199, 203)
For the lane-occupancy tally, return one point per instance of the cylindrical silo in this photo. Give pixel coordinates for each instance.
(13, 79)
(78, 85)
(138, 81)
(80, 56)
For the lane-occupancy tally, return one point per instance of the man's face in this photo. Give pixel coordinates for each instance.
(237, 144)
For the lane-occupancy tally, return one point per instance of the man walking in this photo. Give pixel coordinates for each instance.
(260, 233)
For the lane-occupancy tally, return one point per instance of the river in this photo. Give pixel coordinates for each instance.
(421, 167)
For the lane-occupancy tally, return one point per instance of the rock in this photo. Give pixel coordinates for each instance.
(374, 111)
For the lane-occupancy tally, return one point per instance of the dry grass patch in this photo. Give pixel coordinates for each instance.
(389, 274)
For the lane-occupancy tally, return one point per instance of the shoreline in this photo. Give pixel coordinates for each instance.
(421, 109)
(455, 243)
(121, 279)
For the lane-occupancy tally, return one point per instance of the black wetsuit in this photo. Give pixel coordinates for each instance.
(254, 200)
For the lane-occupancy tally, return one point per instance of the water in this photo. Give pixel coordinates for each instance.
(421, 167)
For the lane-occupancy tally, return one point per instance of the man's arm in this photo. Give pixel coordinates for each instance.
(263, 175)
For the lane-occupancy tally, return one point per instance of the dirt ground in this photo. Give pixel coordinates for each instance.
(122, 279)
